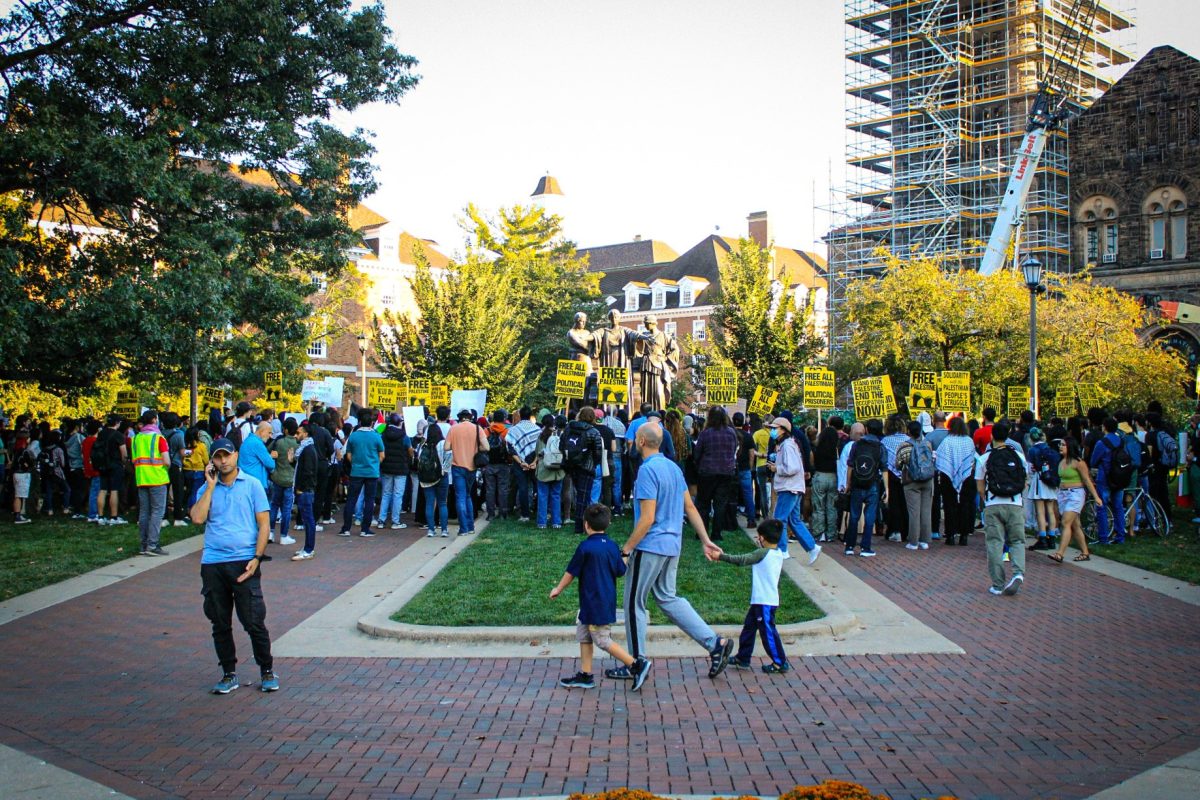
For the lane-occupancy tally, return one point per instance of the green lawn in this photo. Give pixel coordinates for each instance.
(505, 576)
(1177, 556)
(49, 550)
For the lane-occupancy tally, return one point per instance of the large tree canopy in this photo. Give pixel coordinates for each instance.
(128, 240)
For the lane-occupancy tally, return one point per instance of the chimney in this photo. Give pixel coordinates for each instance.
(760, 228)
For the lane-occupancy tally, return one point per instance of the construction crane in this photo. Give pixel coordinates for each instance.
(1050, 109)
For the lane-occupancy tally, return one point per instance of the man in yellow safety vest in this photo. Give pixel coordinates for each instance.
(151, 463)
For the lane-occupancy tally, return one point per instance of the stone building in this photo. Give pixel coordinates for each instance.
(1135, 191)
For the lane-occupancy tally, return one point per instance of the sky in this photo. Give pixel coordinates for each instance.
(665, 119)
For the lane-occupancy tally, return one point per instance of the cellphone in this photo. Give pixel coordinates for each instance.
(211, 471)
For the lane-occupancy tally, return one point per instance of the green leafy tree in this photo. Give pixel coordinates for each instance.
(757, 328)
(121, 120)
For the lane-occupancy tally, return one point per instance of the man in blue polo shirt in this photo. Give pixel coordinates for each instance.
(234, 511)
(661, 497)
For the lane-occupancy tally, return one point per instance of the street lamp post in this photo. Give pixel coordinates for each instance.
(362, 381)
(1033, 280)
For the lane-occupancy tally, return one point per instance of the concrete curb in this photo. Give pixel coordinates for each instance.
(377, 622)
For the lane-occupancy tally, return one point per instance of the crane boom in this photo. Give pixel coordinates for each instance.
(1049, 110)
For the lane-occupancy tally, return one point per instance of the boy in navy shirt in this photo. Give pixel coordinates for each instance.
(597, 563)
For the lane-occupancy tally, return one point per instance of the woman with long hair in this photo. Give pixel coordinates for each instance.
(549, 475)
(679, 437)
(1074, 478)
(716, 467)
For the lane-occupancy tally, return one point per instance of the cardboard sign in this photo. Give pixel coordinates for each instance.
(420, 392)
(613, 386)
(763, 402)
(439, 395)
(273, 386)
(1064, 403)
(128, 404)
(720, 385)
(991, 397)
(571, 378)
(471, 399)
(819, 388)
(210, 398)
(1089, 395)
(382, 393)
(954, 392)
(1018, 401)
(922, 391)
(873, 397)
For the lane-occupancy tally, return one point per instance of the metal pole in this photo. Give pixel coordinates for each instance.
(195, 390)
(1033, 376)
(362, 383)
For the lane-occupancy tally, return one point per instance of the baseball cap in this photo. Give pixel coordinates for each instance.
(222, 444)
(781, 422)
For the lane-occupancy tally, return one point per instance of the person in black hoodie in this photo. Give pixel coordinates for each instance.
(308, 478)
(393, 471)
(322, 440)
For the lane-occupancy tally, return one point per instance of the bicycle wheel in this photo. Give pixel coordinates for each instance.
(1087, 520)
(1160, 522)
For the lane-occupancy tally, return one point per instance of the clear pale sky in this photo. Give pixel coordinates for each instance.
(664, 118)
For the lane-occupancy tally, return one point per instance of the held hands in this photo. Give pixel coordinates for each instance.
(712, 552)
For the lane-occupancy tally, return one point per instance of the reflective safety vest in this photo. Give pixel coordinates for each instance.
(149, 466)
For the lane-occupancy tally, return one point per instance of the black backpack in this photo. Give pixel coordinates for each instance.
(45, 463)
(577, 453)
(429, 464)
(867, 455)
(497, 449)
(1168, 450)
(99, 454)
(1120, 467)
(1045, 461)
(1005, 473)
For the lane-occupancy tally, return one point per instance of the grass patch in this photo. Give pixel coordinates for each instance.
(1177, 556)
(50, 550)
(505, 578)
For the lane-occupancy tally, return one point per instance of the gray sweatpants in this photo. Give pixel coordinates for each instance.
(652, 574)
(152, 504)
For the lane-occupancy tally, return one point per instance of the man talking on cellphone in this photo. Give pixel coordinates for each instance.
(234, 510)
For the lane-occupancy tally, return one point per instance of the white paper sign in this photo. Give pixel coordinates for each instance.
(311, 390)
(472, 399)
(328, 391)
(412, 419)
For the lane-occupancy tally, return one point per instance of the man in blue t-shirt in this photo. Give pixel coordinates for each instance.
(364, 451)
(234, 511)
(662, 499)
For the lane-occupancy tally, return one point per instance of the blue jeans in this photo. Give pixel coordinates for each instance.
(1114, 503)
(364, 488)
(746, 483)
(464, 487)
(521, 479)
(435, 504)
(391, 489)
(195, 479)
(762, 482)
(787, 510)
(93, 493)
(860, 497)
(304, 502)
(616, 490)
(597, 483)
(281, 507)
(549, 494)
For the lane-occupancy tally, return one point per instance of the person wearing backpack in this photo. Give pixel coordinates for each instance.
(1043, 488)
(915, 460)
(52, 470)
(1000, 477)
(1164, 457)
(466, 443)
(865, 464)
(583, 449)
(497, 475)
(1113, 466)
(549, 472)
(433, 473)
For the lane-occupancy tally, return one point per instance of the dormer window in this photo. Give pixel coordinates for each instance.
(687, 296)
(631, 299)
(659, 298)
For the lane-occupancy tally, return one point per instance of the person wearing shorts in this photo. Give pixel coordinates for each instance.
(597, 563)
(112, 476)
(22, 478)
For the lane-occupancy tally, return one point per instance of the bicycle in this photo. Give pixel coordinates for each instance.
(1152, 516)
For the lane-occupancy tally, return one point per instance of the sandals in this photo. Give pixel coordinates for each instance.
(1082, 557)
(1054, 557)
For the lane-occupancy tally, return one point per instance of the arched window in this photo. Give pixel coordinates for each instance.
(1166, 223)
(1097, 217)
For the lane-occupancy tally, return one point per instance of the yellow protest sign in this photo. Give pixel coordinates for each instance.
(211, 398)
(873, 397)
(819, 388)
(954, 392)
(922, 391)
(1089, 395)
(420, 392)
(382, 393)
(614, 385)
(763, 402)
(272, 386)
(720, 385)
(991, 397)
(1018, 400)
(439, 395)
(1064, 402)
(128, 403)
(571, 379)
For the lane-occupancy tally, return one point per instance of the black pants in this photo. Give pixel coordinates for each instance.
(178, 493)
(713, 493)
(1158, 487)
(581, 481)
(936, 514)
(897, 509)
(958, 507)
(333, 477)
(222, 595)
(78, 485)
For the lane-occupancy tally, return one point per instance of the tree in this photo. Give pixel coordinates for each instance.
(467, 334)
(918, 315)
(128, 240)
(755, 327)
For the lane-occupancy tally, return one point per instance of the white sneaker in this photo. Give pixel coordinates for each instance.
(893, 537)
(299, 526)
(118, 521)
(164, 523)
(923, 545)
(445, 533)
(302, 556)
(93, 520)
(378, 524)
(813, 554)
(910, 546)
(287, 540)
(271, 539)
(180, 523)
(102, 521)
(399, 526)
(318, 528)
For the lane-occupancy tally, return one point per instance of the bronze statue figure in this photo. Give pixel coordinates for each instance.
(657, 354)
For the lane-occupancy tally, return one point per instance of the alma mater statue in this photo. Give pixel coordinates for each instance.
(656, 357)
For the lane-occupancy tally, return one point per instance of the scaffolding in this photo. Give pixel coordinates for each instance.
(938, 94)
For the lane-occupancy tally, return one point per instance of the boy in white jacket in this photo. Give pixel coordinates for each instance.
(766, 564)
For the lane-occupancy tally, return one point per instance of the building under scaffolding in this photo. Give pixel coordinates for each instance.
(938, 95)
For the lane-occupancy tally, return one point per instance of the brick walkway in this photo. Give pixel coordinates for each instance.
(1079, 682)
